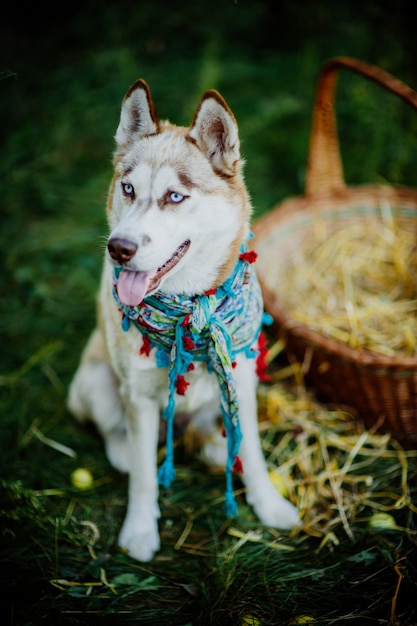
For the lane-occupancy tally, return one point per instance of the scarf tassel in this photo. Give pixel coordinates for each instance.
(166, 474)
(230, 503)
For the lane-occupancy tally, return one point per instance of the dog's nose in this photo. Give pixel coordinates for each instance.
(121, 250)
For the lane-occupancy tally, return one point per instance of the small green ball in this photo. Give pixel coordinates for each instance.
(82, 478)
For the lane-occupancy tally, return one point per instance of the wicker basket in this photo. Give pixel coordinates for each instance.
(382, 391)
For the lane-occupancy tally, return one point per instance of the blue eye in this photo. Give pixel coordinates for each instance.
(175, 197)
(128, 189)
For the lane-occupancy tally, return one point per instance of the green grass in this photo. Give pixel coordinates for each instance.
(60, 94)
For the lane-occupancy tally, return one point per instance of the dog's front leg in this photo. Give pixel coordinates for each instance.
(271, 508)
(139, 534)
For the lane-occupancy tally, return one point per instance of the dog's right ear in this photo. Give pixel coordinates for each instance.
(138, 117)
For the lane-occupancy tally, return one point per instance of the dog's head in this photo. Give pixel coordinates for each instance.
(178, 208)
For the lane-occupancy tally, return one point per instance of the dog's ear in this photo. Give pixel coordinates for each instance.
(214, 130)
(138, 117)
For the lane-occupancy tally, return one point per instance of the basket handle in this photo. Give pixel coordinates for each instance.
(324, 166)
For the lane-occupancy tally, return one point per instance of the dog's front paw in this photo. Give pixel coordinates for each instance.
(274, 510)
(140, 538)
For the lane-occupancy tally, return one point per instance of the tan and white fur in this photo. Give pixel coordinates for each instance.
(178, 211)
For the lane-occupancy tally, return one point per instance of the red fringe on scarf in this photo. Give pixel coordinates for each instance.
(261, 364)
(237, 465)
(249, 256)
(146, 347)
(181, 385)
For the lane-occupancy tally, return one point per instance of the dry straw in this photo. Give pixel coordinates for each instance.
(361, 283)
(339, 474)
(337, 269)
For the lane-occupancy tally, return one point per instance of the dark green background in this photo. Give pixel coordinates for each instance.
(66, 67)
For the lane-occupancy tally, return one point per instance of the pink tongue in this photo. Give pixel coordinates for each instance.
(132, 286)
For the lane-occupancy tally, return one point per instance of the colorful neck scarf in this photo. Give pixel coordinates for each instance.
(213, 328)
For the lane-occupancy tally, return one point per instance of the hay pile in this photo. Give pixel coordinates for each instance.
(357, 285)
(340, 475)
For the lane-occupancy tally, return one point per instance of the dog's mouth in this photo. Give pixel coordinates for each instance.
(133, 287)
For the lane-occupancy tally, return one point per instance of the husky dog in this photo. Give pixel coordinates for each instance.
(179, 214)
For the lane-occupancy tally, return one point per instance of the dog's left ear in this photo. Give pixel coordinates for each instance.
(138, 116)
(214, 129)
